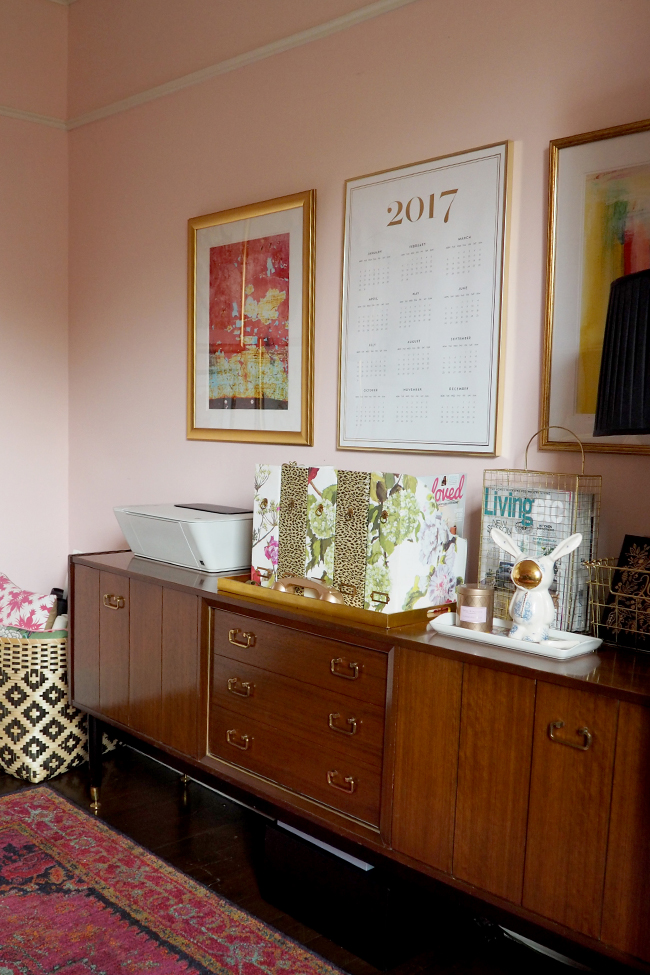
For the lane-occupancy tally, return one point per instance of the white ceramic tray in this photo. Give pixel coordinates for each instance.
(561, 646)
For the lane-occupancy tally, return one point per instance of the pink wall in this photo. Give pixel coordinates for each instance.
(33, 56)
(424, 80)
(121, 48)
(33, 298)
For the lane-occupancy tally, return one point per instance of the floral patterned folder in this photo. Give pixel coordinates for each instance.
(388, 542)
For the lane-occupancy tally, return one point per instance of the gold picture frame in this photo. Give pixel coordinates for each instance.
(589, 246)
(250, 346)
(403, 385)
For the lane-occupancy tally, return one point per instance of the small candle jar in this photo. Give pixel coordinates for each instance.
(475, 606)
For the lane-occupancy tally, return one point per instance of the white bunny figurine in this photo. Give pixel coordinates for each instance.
(531, 607)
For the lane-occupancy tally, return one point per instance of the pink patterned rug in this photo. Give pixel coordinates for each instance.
(77, 897)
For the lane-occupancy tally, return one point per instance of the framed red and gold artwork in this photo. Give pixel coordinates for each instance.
(250, 322)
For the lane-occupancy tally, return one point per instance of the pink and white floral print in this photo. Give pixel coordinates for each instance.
(28, 610)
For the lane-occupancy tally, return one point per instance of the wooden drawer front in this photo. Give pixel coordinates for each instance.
(339, 667)
(324, 774)
(328, 719)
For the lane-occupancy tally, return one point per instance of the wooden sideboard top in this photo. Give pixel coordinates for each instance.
(620, 673)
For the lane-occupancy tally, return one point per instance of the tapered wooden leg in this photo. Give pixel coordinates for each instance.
(95, 734)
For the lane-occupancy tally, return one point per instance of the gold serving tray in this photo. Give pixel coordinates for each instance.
(241, 585)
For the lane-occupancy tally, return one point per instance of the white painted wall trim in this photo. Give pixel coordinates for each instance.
(18, 113)
(351, 19)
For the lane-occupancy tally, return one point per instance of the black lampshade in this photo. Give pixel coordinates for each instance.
(623, 405)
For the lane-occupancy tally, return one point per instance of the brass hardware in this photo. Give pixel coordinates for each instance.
(248, 641)
(326, 593)
(185, 779)
(246, 690)
(231, 738)
(319, 509)
(349, 786)
(526, 574)
(94, 799)
(263, 573)
(587, 735)
(113, 602)
(264, 503)
(384, 517)
(342, 731)
(356, 670)
(554, 427)
(349, 514)
(348, 588)
(380, 597)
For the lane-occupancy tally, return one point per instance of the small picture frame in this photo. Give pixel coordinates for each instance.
(598, 231)
(251, 322)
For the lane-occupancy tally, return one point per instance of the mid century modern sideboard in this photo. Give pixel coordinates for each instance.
(518, 779)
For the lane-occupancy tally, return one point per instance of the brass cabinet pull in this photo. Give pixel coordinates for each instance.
(243, 742)
(340, 662)
(352, 722)
(247, 641)
(349, 784)
(246, 688)
(587, 735)
(113, 602)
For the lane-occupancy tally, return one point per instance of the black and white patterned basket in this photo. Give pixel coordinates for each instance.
(41, 735)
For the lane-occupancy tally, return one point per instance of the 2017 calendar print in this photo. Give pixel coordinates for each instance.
(421, 317)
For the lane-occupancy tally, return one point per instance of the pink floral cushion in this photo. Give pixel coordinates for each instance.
(28, 610)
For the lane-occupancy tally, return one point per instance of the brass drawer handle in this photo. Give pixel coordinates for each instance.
(243, 742)
(587, 735)
(113, 602)
(340, 662)
(248, 639)
(352, 722)
(246, 688)
(349, 784)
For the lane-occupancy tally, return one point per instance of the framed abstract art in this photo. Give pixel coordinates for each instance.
(598, 231)
(250, 322)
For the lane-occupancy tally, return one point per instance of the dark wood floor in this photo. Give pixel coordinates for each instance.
(220, 843)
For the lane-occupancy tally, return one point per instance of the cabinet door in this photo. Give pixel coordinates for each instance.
(180, 671)
(496, 735)
(85, 645)
(426, 756)
(114, 646)
(626, 907)
(570, 794)
(145, 664)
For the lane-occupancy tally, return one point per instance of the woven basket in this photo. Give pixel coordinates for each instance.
(41, 735)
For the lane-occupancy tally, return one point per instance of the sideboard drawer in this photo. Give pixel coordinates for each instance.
(326, 718)
(323, 774)
(339, 667)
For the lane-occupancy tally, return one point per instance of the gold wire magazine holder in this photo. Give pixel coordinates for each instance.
(538, 509)
(619, 603)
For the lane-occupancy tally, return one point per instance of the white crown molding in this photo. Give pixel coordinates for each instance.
(18, 113)
(241, 60)
(351, 19)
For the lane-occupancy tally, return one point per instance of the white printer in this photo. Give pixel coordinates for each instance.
(207, 537)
